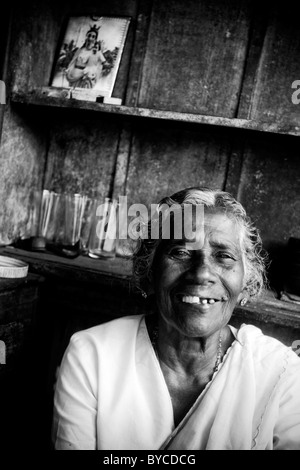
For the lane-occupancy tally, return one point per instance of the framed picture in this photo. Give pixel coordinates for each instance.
(90, 54)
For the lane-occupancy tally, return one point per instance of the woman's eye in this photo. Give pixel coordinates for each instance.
(225, 256)
(179, 253)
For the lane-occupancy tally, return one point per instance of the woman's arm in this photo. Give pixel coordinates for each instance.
(75, 403)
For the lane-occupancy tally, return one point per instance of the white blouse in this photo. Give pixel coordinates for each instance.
(111, 395)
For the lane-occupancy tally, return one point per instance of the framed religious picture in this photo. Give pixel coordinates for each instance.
(89, 55)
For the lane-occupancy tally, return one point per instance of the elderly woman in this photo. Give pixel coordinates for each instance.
(182, 378)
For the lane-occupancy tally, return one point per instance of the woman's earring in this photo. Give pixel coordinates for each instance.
(243, 302)
(144, 294)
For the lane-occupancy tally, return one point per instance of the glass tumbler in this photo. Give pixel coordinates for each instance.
(74, 208)
(104, 230)
(48, 214)
(88, 210)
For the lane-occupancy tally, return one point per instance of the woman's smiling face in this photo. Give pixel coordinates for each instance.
(198, 285)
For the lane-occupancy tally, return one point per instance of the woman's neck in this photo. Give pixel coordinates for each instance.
(188, 355)
(187, 364)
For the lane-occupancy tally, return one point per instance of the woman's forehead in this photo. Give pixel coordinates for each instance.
(199, 218)
(214, 226)
(218, 223)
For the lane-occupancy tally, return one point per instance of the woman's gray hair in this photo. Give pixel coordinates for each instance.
(251, 243)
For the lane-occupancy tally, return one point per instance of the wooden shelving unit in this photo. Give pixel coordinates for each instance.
(43, 98)
(206, 93)
(82, 268)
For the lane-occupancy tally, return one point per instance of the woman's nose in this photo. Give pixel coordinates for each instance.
(202, 271)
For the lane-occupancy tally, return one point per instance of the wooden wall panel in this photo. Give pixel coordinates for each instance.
(24, 135)
(22, 156)
(269, 186)
(82, 155)
(35, 32)
(195, 56)
(278, 65)
(138, 52)
(269, 190)
(166, 158)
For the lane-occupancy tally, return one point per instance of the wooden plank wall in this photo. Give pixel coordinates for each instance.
(233, 59)
(269, 188)
(165, 158)
(33, 149)
(24, 137)
(272, 66)
(195, 56)
(82, 154)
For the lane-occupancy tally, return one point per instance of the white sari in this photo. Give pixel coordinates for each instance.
(111, 395)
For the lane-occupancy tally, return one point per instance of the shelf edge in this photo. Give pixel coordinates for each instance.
(42, 98)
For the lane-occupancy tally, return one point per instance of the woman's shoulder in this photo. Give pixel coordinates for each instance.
(263, 346)
(102, 343)
(112, 330)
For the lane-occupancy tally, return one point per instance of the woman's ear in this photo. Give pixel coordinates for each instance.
(243, 298)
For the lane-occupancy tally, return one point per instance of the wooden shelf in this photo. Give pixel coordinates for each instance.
(82, 268)
(269, 309)
(41, 97)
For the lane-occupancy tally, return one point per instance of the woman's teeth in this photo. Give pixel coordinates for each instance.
(191, 299)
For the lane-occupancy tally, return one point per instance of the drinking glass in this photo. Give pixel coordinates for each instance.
(88, 210)
(45, 206)
(104, 230)
(74, 209)
(34, 213)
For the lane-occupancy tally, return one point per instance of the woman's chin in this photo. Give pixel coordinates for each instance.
(196, 320)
